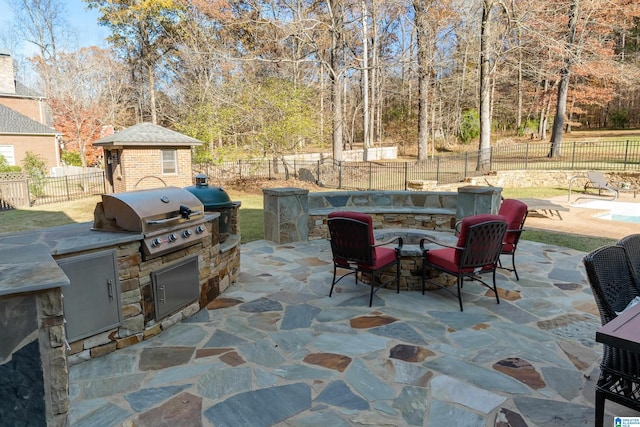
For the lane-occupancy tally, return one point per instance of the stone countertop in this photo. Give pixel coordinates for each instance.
(26, 262)
(27, 268)
(67, 239)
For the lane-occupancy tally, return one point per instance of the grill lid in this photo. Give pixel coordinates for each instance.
(211, 197)
(144, 210)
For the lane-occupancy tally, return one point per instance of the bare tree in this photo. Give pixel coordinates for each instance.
(424, 38)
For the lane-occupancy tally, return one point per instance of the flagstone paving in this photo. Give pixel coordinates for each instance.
(274, 349)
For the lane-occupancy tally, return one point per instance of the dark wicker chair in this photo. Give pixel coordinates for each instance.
(477, 251)
(353, 247)
(515, 213)
(613, 284)
(632, 244)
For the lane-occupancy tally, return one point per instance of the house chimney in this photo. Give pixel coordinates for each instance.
(7, 82)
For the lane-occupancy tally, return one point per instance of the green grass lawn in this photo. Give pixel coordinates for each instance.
(252, 221)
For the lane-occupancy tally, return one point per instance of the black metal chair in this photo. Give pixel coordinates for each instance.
(477, 251)
(354, 248)
(632, 244)
(614, 285)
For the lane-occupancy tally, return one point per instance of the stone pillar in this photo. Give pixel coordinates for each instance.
(286, 214)
(474, 200)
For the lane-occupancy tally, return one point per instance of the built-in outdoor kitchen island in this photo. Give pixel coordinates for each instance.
(79, 291)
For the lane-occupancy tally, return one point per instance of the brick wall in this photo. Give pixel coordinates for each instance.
(34, 108)
(45, 146)
(141, 169)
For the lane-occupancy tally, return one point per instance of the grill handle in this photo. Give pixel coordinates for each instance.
(173, 218)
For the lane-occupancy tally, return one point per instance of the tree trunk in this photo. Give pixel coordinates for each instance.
(365, 82)
(484, 150)
(563, 86)
(335, 73)
(422, 30)
(152, 95)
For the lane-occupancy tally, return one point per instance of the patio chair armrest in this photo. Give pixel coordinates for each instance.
(388, 242)
(427, 239)
(516, 230)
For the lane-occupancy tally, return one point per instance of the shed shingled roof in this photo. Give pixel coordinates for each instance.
(146, 134)
(12, 122)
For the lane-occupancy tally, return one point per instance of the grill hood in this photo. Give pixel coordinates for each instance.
(147, 210)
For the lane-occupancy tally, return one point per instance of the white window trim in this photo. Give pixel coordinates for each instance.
(175, 161)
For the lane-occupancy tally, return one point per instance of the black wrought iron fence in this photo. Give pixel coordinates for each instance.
(394, 175)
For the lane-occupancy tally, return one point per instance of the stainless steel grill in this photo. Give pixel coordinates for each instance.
(169, 218)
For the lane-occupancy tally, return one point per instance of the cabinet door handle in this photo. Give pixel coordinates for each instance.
(110, 288)
(163, 294)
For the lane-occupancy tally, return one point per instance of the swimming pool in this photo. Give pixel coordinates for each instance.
(618, 211)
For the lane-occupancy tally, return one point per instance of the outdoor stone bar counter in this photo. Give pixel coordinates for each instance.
(33, 366)
(35, 352)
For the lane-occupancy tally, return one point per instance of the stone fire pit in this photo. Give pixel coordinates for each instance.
(411, 257)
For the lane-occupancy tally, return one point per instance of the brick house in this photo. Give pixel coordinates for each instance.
(147, 156)
(24, 122)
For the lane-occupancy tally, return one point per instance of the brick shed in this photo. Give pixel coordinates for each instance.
(147, 156)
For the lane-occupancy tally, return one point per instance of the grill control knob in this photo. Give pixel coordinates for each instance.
(155, 243)
(199, 229)
(172, 237)
(186, 233)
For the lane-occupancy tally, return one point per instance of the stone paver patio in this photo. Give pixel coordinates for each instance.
(274, 349)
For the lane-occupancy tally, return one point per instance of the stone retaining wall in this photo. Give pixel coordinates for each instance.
(429, 210)
(529, 178)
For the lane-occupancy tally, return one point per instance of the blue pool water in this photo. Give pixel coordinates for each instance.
(618, 211)
(626, 218)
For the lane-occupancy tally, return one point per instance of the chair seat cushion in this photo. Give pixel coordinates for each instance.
(384, 256)
(508, 248)
(446, 259)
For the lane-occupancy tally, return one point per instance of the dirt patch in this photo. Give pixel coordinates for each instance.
(255, 185)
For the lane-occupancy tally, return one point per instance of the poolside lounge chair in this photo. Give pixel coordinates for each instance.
(477, 251)
(613, 284)
(353, 247)
(597, 180)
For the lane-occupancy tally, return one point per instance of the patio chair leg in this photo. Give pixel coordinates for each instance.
(495, 288)
(424, 273)
(373, 285)
(333, 282)
(398, 277)
(459, 292)
(513, 263)
(600, 398)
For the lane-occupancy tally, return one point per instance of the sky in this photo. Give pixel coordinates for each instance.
(82, 22)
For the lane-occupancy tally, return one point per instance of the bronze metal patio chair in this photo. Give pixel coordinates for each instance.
(477, 251)
(515, 213)
(354, 248)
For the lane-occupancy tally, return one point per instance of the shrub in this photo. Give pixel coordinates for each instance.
(470, 126)
(35, 167)
(620, 119)
(71, 158)
(6, 167)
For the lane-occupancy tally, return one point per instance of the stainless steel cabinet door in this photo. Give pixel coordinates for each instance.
(92, 300)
